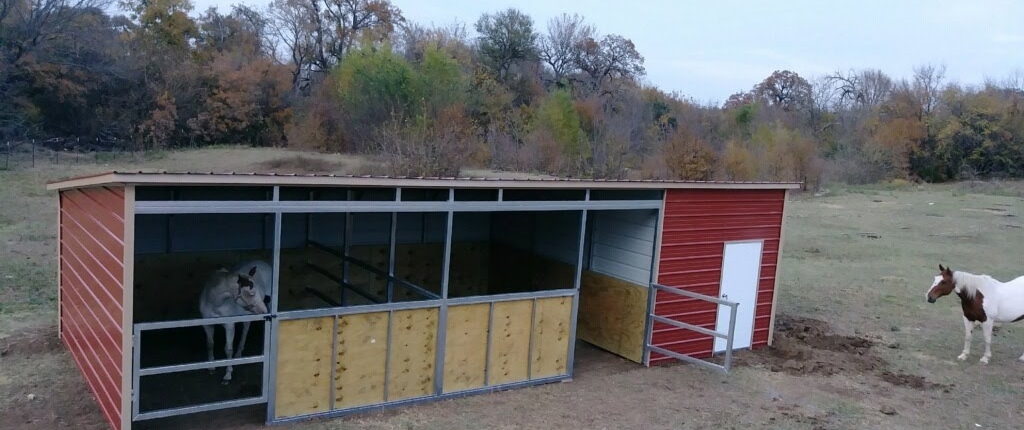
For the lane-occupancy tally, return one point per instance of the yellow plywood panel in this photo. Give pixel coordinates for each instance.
(510, 342)
(612, 315)
(551, 337)
(304, 367)
(413, 353)
(359, 365)
(465, 353)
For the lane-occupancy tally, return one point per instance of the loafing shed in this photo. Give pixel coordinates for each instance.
(389, 291)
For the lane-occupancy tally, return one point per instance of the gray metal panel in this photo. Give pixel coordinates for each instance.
(201, 232)
(623, 244)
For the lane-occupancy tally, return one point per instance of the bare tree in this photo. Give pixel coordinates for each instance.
(560, 48)
(293, 22)
(927, 81)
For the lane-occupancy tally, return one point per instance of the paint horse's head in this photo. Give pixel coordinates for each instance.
(942, 285)
(251, 294)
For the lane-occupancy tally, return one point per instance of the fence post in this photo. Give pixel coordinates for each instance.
(7, 157)
(33, 153)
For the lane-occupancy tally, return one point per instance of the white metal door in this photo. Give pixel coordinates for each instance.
(741, 268)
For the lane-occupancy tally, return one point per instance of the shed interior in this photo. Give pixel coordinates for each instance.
(342, 259)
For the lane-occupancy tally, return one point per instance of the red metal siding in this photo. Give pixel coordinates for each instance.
(92, 289)
(696, 226)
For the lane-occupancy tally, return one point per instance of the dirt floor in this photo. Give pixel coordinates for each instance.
(856, 344)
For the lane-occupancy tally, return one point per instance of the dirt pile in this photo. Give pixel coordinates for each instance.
(806, 346)
(41, 340)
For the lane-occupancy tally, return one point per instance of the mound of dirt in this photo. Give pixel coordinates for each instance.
(35, 341)
(806, 346)
(298, 164)
(912, 381)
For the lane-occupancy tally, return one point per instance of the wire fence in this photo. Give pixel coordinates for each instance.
(18, 155)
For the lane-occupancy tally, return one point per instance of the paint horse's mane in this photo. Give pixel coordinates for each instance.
(969, 282)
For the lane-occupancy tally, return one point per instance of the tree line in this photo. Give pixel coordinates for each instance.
(564, 98)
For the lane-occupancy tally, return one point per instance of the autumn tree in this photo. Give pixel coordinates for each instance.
(612, 58)
(784, 89)
(688, 157)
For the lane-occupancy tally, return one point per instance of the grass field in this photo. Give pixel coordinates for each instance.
(857, 346)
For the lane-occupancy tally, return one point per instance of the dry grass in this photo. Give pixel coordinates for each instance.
(866, 286)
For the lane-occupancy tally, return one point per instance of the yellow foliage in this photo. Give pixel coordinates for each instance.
(738, 163)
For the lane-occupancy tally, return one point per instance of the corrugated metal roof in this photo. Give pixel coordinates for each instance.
(163, 177)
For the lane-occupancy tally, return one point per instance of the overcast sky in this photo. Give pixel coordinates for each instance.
(710, 49)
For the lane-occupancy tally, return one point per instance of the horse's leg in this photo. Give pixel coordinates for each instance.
(241, 343)
(968, 327)
(229, 335)
(209, 344)
(987, 328)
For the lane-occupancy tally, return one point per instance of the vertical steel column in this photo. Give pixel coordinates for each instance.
(652, 293)
(271, 325)
(391, 252)
(136, 365)
(442, 321)
(576, 287)
(529, 354)
(346, 247)
(487, 353)
(334, 361)
(387, 356)
(728, 340)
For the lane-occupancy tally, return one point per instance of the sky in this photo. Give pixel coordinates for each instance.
(708, 50)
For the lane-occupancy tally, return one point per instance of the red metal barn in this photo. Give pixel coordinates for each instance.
(390, 291)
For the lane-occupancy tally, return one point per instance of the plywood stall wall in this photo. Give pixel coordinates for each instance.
(614, 285)
(305, 361)
(363, 362)
(91, 283)
(612, 315)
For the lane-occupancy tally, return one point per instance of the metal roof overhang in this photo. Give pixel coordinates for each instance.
(272, 179)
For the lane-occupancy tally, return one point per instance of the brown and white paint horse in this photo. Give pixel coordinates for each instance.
(984, 300)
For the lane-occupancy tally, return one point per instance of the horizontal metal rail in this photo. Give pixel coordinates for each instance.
(397, 306)
(688, 359)
(176, 368)
(163, 413)
(343, 284)
(322, 296)
(510, 297)
(324, 206)
(352, 310)
(406, 284)
(692, 294)
(687, 326)
(724, 368)
(158, 325)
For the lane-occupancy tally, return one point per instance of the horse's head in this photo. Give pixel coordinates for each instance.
(942, 285)
(251, 292)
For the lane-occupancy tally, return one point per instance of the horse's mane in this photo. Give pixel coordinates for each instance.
(969, 282)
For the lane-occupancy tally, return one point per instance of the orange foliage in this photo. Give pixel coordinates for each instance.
(688, 157)
(247, 103)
